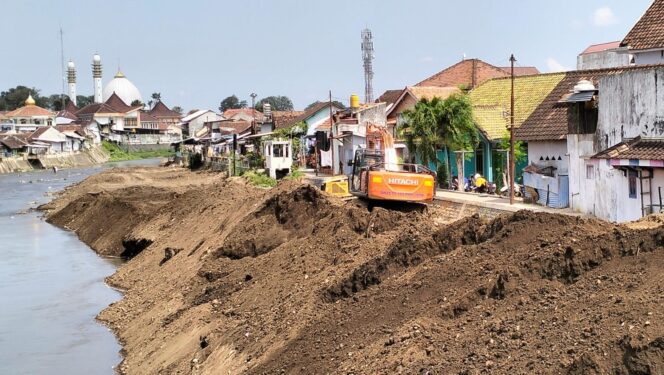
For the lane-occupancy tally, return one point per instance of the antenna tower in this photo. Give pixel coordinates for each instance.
(367, 57)
(62, 68)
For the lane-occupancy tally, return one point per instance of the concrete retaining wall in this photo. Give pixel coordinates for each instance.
(82, 159)
(452, 211)
(135, 148)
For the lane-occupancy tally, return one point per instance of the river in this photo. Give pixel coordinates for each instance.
(51, 284)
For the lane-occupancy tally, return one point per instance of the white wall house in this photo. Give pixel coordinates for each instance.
(193, 122)
(610, 168)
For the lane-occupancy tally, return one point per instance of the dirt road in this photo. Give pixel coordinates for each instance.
(226, 278)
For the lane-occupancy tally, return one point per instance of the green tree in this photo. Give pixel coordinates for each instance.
(54, 102)
(232, 102)
(420, 130)
(317, 102)
(83, 100)
(15, 97)
(136, 103)
(457, 129)
(178, 109)
(155, 97)
(435, 124)
(277, 103)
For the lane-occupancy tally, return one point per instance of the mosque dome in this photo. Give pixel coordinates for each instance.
(71, 65)
(123, 88)
(96, 58)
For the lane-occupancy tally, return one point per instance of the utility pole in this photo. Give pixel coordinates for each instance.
(332, 134)
(62, 68)
(253, 111)
(511, 173)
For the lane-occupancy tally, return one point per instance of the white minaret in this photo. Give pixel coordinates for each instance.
(71, 81)
(96, 75)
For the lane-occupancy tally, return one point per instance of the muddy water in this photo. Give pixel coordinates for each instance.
(51, 284)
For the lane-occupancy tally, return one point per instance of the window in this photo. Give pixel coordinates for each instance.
(631, 177)
(278, 151)
(590, 172)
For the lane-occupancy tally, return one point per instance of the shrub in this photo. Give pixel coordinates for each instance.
(441, 175)
(259, 179)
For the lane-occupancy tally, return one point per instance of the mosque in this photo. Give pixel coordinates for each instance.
(120, 84)
(117, 112)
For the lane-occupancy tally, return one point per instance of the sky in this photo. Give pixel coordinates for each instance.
(197, 52)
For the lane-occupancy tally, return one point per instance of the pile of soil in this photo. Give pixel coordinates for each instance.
(228, 278)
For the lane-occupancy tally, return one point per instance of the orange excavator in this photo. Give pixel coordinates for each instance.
(377, 174)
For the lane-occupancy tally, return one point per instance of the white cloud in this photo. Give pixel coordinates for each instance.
(555, 66)
(604, 17)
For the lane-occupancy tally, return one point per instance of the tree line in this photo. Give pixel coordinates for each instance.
(277, 103)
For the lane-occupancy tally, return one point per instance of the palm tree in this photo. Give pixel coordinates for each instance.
(457, 130)
(420, 130)
(434, 124)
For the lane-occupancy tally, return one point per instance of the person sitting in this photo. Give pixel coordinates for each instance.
(480, 183)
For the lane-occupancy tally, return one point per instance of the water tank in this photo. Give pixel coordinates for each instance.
(354, 101)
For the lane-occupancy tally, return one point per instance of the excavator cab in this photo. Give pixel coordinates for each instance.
(373, 179)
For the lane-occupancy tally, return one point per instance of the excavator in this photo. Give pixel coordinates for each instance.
(377, 174)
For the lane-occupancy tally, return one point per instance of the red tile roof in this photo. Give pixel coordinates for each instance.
(161, 110)
(250, 112)
(228, 127)
(118, 104)
(594, 48)
(389, 96)
(637, 148)
(147, 117)
(13, 143)
(470, 73)
(29, 111)
(70, 107)
(648, 32)
(520, 70)
(285, 119)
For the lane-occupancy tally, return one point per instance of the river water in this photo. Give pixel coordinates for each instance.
(51, 284)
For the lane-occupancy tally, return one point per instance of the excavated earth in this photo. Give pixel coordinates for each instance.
(226, 278)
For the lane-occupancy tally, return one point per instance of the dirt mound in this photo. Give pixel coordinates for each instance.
(296, 212)
(232, 279)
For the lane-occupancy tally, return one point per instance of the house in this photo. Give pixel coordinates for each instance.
(491, 108)
(11, 145)
(469, 73)
(77, 136)
(603, 55)
(348, 132)
(645, 41)
(166, 117)
(245, 114)
(195, 120)
(30, 117)
(114, 118)
(274, 120)
(617, 158)
(49, 136)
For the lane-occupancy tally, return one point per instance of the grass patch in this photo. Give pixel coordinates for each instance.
(259, 179)
(118, 154)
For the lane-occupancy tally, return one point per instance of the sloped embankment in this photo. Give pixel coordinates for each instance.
(233, 279)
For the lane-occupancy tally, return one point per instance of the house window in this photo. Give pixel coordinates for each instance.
(590, 172)
(278, 151)
(631, 177)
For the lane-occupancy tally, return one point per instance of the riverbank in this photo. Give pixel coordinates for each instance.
(117, 153)
(228, 278)
(86, 158)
